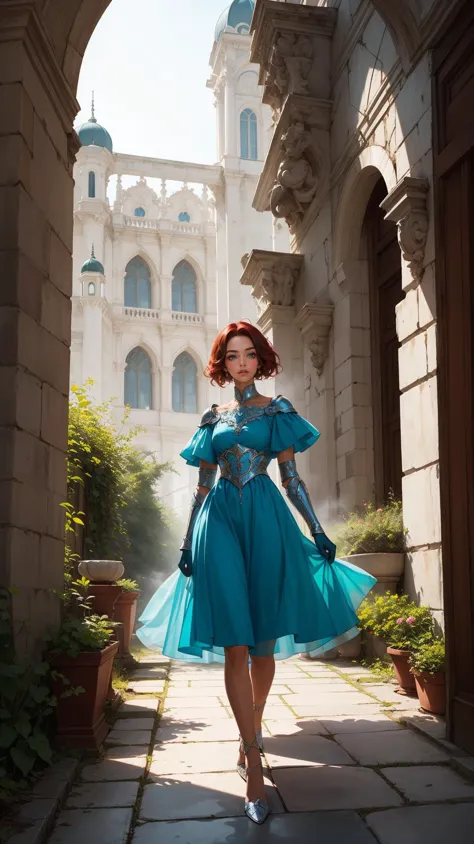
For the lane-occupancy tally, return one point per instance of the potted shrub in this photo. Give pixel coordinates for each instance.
(125, 615)
(374, 540)
(81, 655)
(403, 626)
(427, 665)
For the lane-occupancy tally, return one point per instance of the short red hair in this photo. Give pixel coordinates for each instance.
(268, 359)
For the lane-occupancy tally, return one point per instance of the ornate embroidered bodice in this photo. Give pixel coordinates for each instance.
(239, 464)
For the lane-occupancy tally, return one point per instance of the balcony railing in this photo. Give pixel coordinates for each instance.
(184, 317)
(142, 313)
(154, 224)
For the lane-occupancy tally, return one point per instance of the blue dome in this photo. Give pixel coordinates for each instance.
(93, 134)
(92, 265)
(238, 16)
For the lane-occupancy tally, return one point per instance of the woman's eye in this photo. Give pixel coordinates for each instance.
(252, 355)
(231, 357)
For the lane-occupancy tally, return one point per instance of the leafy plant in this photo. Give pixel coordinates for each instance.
(127, 585)
(428, 658)
(81, 629)
(400, 622)
(375, 530)
(26, 703)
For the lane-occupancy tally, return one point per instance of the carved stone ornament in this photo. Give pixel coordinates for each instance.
(272, 276)
(314, 322)
(288, 68)
(298, 176)
(406, 206)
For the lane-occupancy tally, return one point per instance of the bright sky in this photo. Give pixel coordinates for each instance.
(148, 63)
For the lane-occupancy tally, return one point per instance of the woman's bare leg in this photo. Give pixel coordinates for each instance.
(262, 672)
(239, 692)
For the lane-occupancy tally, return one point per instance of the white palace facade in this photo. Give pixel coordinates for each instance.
(157, 269)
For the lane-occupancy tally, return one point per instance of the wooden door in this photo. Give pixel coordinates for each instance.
(453, 90)
(385, 277)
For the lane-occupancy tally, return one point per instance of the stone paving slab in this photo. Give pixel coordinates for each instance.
(136, 724)
(129, 737)
(419, 824)
(183, 694)
(221, 730)
(301, 727)
(388, 748)
(277, 713)
(138, 706)
(120, 764)
(198, 713)
(155, 659)
(327, 827)
(384, 692)
(193, 758)
(146, 687)
(181, 797)
(150, 674)
(325, 699)
(429, 783)
(302, 751)
(342, 724)
(96, 826)
(431, 725)
(189, 702)
(317, 687)
(338, 707)
(326, 787)
(103, 795)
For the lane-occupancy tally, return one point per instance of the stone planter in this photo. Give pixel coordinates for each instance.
(101, 571)
(80, 719)
(431, 690)
(104, 597)
(125, 614)
(387, 568)
(403, 674)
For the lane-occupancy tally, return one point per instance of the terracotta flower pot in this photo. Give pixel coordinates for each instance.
(80, 718)
(431, 689)
(125, 614)
(405, 679)
(104, 597)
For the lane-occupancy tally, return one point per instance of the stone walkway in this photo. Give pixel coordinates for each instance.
(340, 767)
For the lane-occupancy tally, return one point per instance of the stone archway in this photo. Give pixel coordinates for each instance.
(403, 22)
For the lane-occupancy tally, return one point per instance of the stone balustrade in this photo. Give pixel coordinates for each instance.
(182, 317)
(142, 313)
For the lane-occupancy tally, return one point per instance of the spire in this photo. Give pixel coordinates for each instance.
(92, 251)
(93, 118)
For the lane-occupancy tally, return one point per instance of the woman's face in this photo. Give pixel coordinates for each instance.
(241, 359)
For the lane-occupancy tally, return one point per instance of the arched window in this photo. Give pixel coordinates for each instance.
(92, 184)
(248, 135)
(183, 288)
(184, 217)
(185, 384)
(137, 284)
(139, 212)
(138, 393)
(91, 289)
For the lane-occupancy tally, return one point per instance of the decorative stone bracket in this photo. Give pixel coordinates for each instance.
(296, 170)
(272, 277)
(314, 322)
(292, 44)
(406, 206)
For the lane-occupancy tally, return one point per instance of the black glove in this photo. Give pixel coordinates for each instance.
(326, 548)
(185, 563)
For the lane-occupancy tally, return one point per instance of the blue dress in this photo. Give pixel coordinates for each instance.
(257, 580)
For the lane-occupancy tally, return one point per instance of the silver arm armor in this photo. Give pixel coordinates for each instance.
(299, 496)
(207, 477)
(196, 504)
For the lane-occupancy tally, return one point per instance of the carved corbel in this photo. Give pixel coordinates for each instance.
(406, 205)
(272, 277)
(314, 322)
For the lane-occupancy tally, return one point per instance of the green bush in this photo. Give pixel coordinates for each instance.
(127, 585)
(428, 658)
(397, 620)
(81, 629)
(375, 530)
(26, 704)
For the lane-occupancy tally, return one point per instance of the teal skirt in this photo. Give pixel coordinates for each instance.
(257, 581)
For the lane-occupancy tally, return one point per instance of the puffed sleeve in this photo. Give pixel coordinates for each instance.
(200, 445)
(290, 429)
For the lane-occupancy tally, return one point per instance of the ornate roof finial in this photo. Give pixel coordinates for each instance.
(92, 251)
(93, 120)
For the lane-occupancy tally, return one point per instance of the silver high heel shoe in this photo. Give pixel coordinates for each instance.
(241, 765)
(256, 810)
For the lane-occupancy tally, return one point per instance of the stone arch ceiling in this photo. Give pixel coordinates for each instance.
(70, 25)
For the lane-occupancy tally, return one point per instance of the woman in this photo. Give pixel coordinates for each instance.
(249, 583)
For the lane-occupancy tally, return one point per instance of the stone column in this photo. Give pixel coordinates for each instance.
(315, 322)
(406, 205)
(37, 150)
(233, 209)
(230, 110)
(92, 346)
